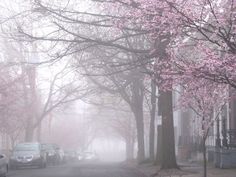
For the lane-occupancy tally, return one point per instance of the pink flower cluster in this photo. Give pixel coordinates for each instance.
(201, 52)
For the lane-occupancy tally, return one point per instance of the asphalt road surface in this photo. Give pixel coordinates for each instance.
(78, 170)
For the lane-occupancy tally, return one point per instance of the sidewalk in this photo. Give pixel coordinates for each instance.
(186, 170)
(216, 172)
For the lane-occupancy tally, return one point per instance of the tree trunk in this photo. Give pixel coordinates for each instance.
(29, 101)
(152, 122)
(168, 157)
(39, 132)
(140, 136)
(204, 158)
(129, 149)
(137, 108)
(159, 146)
(165, 108)
(29, 133)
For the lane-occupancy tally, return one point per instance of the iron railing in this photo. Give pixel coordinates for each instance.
(231, 136)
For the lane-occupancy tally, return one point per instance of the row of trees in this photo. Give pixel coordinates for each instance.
(27, 95)
(127, 47)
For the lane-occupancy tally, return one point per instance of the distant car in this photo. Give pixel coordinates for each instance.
(90, 156)
(79, 156)
(71, 156)
(61, 155)
(3, 165)
(52, 156)
(28, 154)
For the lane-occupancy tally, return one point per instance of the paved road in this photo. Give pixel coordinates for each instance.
(78, 170)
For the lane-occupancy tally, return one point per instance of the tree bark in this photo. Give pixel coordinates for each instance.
(29, 133)
(129, 149)
(140, 137)
(204, 158)
(39, 132)
(168, 157)
(152, 122)
(165, 108)
(137, 108)
(159, 146)
(31, 103)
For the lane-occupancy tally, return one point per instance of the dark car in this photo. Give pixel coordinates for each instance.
(71, 156)
(28, 154)
(60, 154)
(52, 154)
(3, 165)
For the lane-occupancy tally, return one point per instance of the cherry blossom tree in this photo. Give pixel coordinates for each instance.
(207, 99)
(208, 24)
(200, 38)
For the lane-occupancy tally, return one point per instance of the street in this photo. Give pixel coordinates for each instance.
(77, 170)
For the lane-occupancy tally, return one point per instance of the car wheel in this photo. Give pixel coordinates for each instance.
(41, 165)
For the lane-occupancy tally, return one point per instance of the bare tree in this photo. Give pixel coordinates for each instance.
(79, 32)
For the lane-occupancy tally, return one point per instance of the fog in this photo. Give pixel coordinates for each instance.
(117, 88)
(77, 128)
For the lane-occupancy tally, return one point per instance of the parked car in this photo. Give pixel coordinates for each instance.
(61, 155)
(90, 156)
(52, 156)
(71, 156)
(28, 154)
(79, 156)
(3, 165)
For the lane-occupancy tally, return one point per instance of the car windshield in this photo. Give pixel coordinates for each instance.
(27, 147)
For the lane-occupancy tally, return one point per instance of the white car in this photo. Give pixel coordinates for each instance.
(90, 156)
(3, 165)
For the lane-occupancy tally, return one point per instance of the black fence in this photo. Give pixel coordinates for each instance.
(231, 137)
